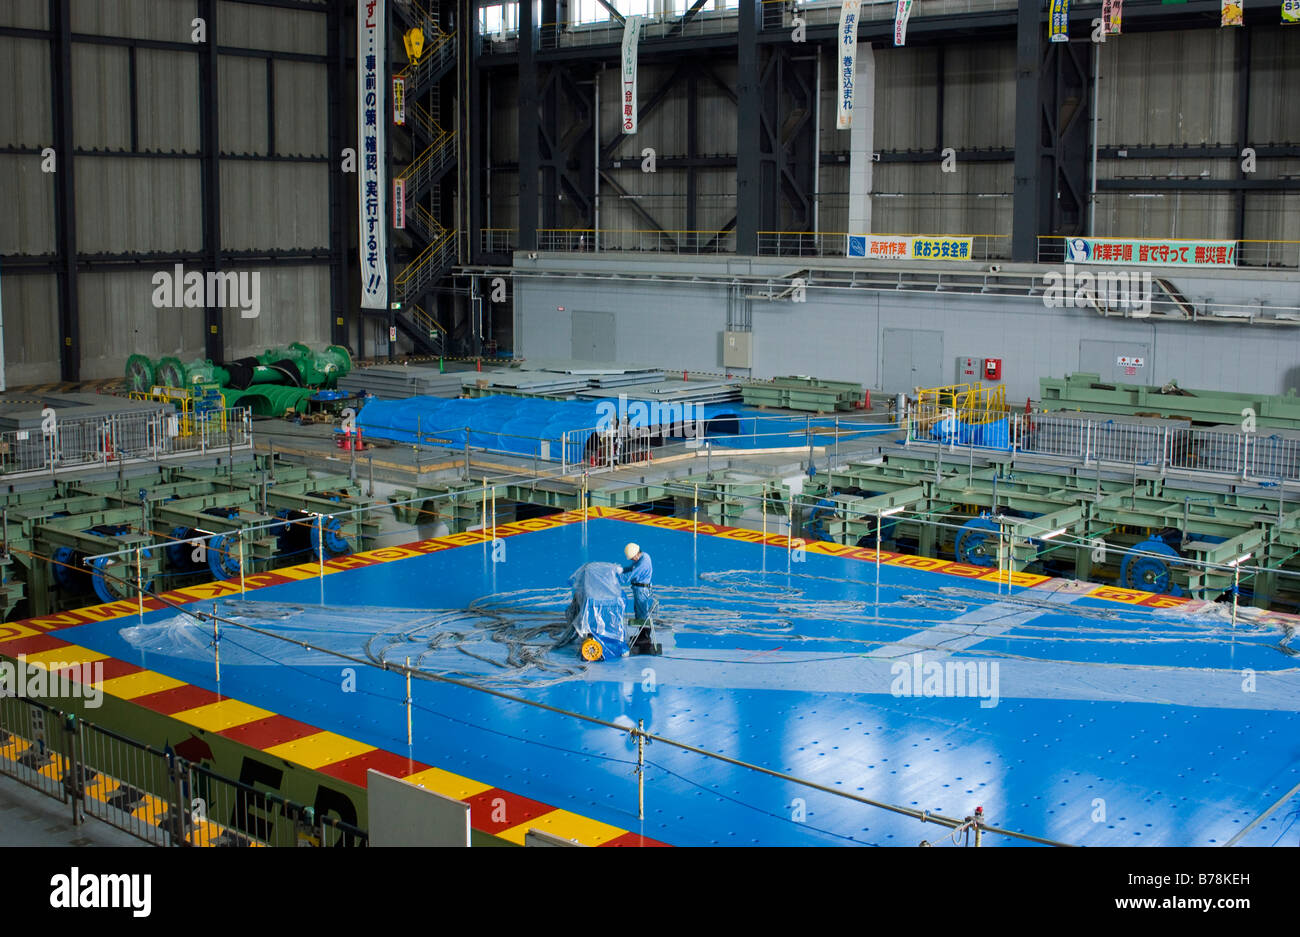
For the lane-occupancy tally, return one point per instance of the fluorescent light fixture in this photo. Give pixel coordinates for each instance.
(1241, 559)
(888, 511)
(1052, 533)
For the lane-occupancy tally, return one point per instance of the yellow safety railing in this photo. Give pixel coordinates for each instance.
(433, 251)
(433, 149)
(425, 321)
(973, 404)
(183, 400)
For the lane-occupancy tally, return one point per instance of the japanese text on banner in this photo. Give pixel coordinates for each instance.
(1059, 24)
(846, 63)
(1151, 252)
(631, 36)
(371, 131)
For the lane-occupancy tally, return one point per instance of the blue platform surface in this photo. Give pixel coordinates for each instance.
(1067, 717)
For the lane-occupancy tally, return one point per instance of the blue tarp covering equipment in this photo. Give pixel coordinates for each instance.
(598, 608)
(534, 427)
(994, 435)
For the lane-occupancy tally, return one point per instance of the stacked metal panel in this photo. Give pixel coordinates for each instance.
(397, 382)
(1101, 436)
(530, 383)
(674, 391)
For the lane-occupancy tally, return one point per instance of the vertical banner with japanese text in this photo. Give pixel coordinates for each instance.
(1111, 16)
(399, 101)
(371, 187)
(631, 36)
(399, 204)
(901, 13)
(846, 62)
(1059, 21)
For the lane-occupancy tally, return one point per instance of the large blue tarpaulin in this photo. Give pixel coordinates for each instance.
(535, 427)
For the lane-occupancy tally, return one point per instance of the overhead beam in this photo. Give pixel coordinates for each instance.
(632, 203)
(616, 135)
(689, 15)
(613, 12)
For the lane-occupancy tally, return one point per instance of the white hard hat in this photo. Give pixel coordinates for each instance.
(631, 550)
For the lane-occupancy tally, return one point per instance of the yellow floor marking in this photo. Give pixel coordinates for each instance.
(565, 825)
(323, 748)
(225, 714)
(447, 784)
(135, 685)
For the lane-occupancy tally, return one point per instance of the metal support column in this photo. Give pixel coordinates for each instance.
(749, 104)
(336, 73)
(65, 199)
(528, 117)
(475, 156)
(1025, 204)
(210, 174)
(1243, 123)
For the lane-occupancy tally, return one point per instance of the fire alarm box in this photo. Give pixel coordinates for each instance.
(992, 369)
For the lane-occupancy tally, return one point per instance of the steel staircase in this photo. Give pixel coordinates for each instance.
(435, 147)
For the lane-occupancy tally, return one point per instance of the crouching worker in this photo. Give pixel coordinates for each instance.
(639, 571)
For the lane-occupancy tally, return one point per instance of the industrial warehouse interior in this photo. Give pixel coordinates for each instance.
(593, 423)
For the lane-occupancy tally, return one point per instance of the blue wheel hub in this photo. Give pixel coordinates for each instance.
(1150, 573)
(330, 530)
(62, 565)
(977, 542)
(223, 556)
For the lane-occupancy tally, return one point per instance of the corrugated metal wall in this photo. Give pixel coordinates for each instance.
(132, 203)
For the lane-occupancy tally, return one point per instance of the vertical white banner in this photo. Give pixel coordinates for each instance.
(631, 36)
(901, 13)
(371, 134)
(846, 62)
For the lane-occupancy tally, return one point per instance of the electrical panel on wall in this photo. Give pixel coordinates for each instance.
(737, 349)
(970, 370)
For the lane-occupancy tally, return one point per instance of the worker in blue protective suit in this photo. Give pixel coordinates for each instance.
(638, 571)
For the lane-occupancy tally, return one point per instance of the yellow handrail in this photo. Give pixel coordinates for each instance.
(428, 154)
(425, 255)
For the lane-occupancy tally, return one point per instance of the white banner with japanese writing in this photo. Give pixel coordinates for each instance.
(901, 13)
(371, 133)
(910, 246)
(399, 101)
(631, 36)
(846, 63)
(1151, 252)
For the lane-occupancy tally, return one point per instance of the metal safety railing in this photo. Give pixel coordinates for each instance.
(668, 242)
(438, 53)
(498, 240)
(421, 171)
(428, 266)
(1241, 454)
(128, 436)
(149, 793)
(822, 12)
(835, 244)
